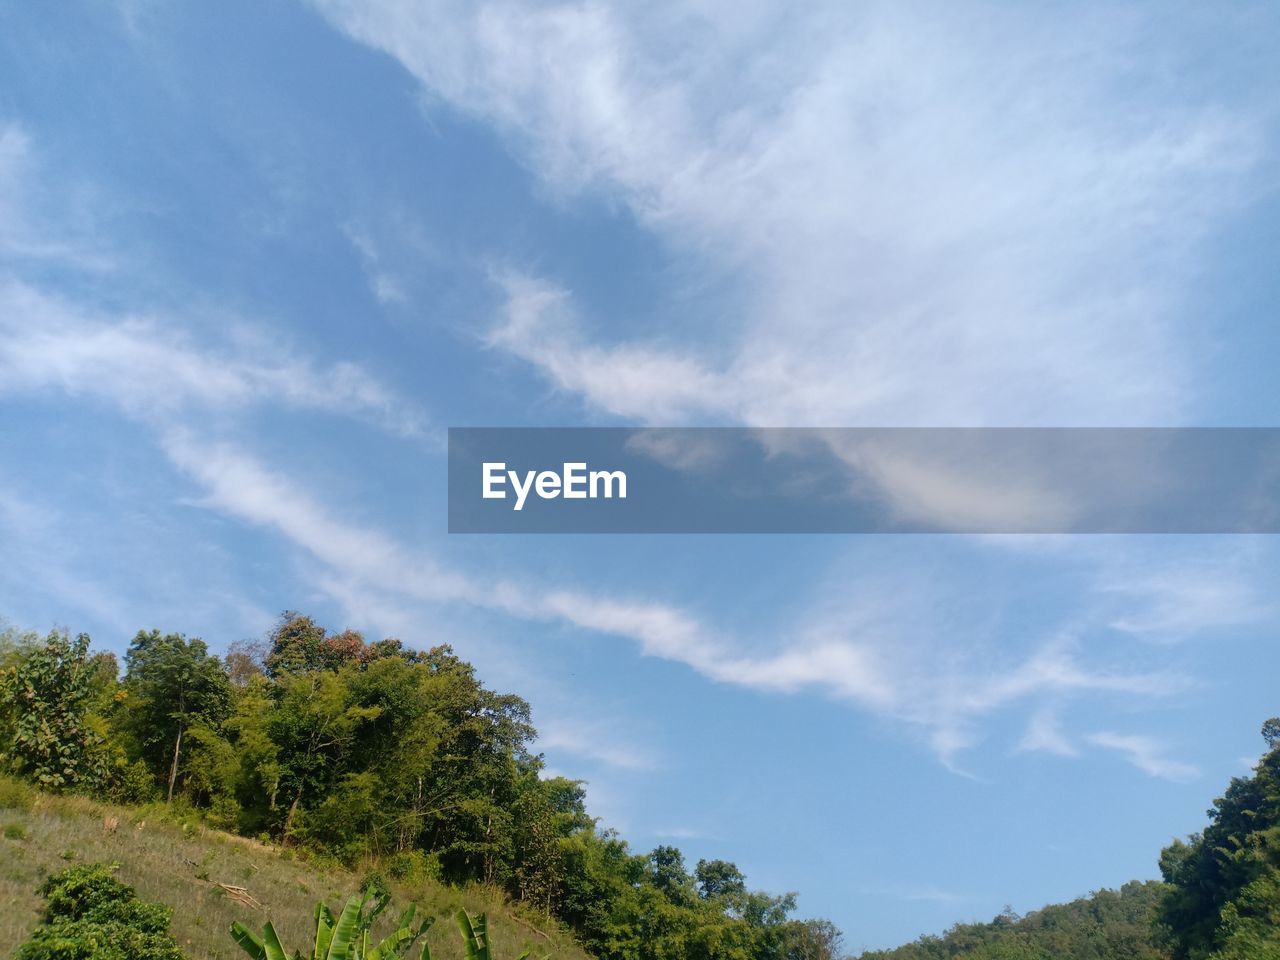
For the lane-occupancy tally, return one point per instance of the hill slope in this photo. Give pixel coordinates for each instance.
(1107, 925)
(180, 865)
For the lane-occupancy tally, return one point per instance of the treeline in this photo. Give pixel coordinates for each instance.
(1220, 899)
(372, 752)
(1109, 925)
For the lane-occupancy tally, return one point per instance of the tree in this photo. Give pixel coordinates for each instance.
(49, 690)
(172, 683)
(719, 878)
(313, 725)
(667, 874)
(1271, 732)
(1225, 881)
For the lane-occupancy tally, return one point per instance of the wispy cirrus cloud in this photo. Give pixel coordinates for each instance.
(1147, 753)
(160, 374)
(1171, 599)
(882, 663)
(153, 369)
(37, 223)
(594, 741)
(1044, 733)
(937, 222)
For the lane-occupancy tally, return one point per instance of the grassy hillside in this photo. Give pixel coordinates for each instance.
(180, 865)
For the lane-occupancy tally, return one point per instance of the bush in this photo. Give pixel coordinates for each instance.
(131, 783)
(91, 915)
(414, 867)
(15, 795)
(14, 831)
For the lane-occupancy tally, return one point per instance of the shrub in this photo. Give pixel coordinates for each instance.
(90, 915)
(14, 831)
(414, 866)
(131, 783)
(15, 795)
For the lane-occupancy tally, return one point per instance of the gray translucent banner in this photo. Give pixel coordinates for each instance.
(811, 480)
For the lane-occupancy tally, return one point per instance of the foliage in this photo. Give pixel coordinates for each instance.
(1108, 925)
(359, 752)
(172, 685)
(346, 937)
(91, 915)
(15, 794)
(45, 695)
(475, 937)
(1224, 897)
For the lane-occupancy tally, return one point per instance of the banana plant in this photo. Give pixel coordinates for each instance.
(345, 937)
(475, 937)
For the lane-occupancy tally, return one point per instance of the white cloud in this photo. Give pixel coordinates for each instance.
(150, 369)
(38, 223)
(881, 662)
(871, 305)
(385, 286)
(1147, 754)
(594, 741)
(914, 893)
(538, 326)
(1044, 733)
(683, 833)
(941, 217)
(1170, 599)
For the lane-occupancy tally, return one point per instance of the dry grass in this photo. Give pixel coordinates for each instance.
(181, 865)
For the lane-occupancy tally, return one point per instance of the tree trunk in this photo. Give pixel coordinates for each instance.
(293, 809)
(173, 769)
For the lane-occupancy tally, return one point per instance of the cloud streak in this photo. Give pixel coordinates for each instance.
(937, 221)
(151, 370)
(872, 665)
(1147, 754)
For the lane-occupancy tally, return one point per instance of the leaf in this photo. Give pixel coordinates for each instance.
(324, 931)
(344, 932)
(389, 947)
(249, 941)
(474, 939)
(271, 943)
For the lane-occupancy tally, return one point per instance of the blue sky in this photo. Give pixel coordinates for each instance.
(255, 258)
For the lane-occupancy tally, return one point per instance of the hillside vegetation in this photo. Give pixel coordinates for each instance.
(182, 865)
(1109, 925)
(251, 786)
(360, 753)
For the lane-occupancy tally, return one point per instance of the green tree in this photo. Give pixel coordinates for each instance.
(173, 683)
(718, 879)
(313, 726)
(47, 692)
(1223, 881)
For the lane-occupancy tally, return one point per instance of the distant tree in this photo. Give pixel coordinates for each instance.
(173, 684)
(359, 749)
(245, 660)
(1107, 925)
(812, 940)
(668, 875)
(1271, 732)
(719, 878)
